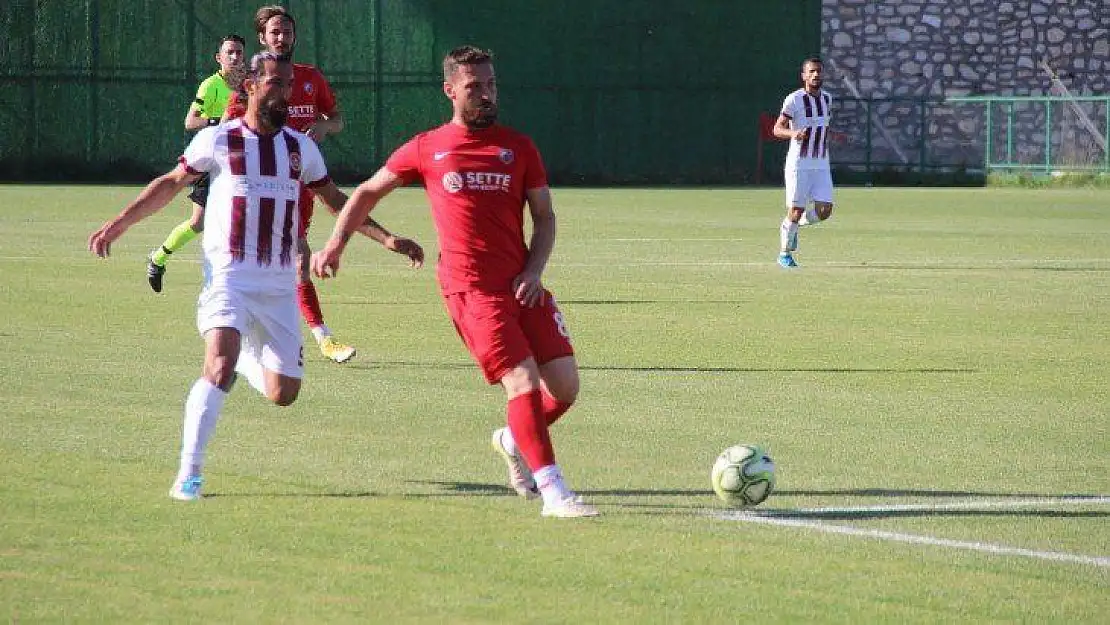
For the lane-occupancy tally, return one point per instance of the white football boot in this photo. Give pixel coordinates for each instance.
(520, 476)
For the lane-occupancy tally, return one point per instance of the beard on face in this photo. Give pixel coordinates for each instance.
(274, 114)
(288, 54)
(481, 116)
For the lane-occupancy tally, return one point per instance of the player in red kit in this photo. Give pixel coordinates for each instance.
(313, 110)
(478, 177)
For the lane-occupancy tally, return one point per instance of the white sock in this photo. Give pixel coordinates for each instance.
(321, 332)
(202, 411)
(809, 217)
(787, 230)
(550, 482)
(508, 443)
(249, 367)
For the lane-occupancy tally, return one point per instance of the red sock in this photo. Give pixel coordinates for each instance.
(529, 429)
(310, 304)
(553, 408)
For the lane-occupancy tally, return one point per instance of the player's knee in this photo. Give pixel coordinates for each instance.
(521, 379)
(284, 395)
(560, 379)
(563, 390)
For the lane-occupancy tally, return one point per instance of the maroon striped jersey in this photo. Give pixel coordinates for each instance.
(251, 221)
(813, 112)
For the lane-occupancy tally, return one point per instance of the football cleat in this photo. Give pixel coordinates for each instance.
(520, 476)
(570, 508)
(154, 273)
(786, 261)
(335, 350)
(187, 489)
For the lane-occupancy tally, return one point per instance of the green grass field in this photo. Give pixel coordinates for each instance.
(932, 384)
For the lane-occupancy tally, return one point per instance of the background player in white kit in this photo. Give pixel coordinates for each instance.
(247, 311)
(804, 121)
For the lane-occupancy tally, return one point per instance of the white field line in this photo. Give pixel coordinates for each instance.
(665, 240)
(1040, 502)
(782, 518)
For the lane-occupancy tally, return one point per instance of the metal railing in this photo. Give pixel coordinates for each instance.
(1043, 133)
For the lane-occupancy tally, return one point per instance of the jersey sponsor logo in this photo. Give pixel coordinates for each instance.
(506, 156)
(452, 182)
(487, 181)
(267, 187)
(302, 110)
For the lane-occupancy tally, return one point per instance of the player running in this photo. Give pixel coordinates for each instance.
(247, 310)
(478, 177)
(804, 121)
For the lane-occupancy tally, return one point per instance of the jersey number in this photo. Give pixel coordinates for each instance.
(561, 325)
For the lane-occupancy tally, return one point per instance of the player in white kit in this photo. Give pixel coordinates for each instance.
(804, 121)
(247, 311)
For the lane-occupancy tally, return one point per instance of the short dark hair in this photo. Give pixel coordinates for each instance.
(269, 12)
(254, 68)
(464, 55)
(813, 59)
(233, 37)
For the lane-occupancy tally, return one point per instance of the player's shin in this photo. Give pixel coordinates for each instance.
(309, 303)
(528, 425)
(553, 408)
(202, 412)
(177, 239)
(788, 235)
(529, 429)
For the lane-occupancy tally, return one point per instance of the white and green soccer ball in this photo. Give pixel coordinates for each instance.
(743, 475)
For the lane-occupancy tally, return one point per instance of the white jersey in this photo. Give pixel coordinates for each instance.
(807, 111)
(251, 222)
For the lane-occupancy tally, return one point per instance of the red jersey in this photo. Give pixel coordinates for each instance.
(312, 96)
(476, 182)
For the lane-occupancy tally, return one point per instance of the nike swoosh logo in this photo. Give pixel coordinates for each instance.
(439, 156)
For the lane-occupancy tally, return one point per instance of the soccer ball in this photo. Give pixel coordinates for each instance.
(743, 475)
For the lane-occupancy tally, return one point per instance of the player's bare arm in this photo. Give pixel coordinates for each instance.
(194, 120)
(782, 130)
(334, 200)
(149, 201)
(353, 215)
(528, 285)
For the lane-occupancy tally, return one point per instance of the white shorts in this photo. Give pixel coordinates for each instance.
(808, 185)
(269, 324)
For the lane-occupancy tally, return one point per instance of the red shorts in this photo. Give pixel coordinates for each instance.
(306, 210)
(501, 334)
